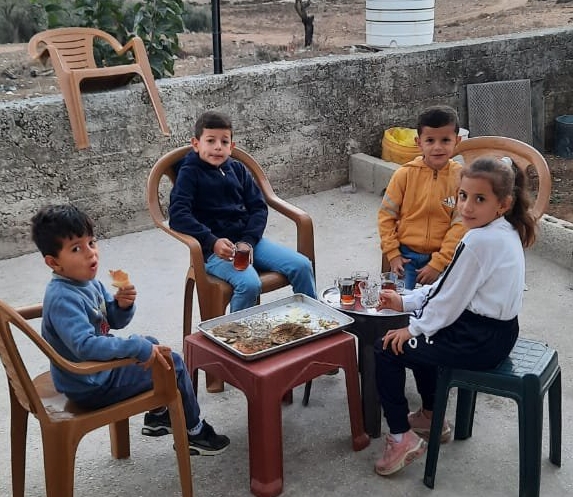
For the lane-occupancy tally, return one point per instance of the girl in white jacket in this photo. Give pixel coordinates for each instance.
(468, 317)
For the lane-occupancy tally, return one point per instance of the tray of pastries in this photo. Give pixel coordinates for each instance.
(275, 326)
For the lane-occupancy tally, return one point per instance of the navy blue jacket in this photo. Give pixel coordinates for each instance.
(210, 202)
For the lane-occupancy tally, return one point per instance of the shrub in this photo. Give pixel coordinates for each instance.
(196, 18)
(19, 21)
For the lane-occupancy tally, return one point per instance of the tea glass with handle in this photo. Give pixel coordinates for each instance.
(370, 295)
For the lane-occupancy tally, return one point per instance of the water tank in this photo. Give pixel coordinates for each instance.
(392, 23)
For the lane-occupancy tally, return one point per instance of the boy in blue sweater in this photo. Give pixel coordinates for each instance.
(78, 313)
(216, 200)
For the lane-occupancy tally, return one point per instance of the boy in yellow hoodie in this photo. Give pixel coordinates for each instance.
(418, 223)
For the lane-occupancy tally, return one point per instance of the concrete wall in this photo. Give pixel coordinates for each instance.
(301, 120)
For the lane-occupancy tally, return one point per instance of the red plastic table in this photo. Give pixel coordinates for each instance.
(265, 381)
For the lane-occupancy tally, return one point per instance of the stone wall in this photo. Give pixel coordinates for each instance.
(302, 120)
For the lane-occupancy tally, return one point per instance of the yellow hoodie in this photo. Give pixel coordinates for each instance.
(418, 210)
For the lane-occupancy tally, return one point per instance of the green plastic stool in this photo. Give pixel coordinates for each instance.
(531, 369)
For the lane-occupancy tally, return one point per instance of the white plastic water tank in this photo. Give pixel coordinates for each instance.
(393, 23)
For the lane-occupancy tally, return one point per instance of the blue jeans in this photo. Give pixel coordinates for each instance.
(418, 261)
(132, 380)
(267, 256)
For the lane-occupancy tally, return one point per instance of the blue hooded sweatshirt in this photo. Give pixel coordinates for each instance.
(76, 319)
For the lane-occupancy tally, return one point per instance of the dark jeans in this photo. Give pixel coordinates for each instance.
(132, 380)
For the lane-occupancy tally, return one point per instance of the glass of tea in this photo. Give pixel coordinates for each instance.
(391, 281)
(242, 256)
(358, 277)
(346, 289)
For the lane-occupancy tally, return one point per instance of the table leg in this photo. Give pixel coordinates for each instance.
(265, 443)
(370, 401)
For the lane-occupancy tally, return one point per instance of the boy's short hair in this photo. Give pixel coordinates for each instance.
(438, 116)
(212, 120)
(54, 223)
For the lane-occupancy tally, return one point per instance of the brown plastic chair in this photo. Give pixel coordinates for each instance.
(523, 155)
(214, 294)
(63, 423)
(71, 53)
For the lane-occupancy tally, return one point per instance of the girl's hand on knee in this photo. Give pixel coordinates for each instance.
(396, 339)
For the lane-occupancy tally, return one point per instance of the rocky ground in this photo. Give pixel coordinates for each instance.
(257, 32)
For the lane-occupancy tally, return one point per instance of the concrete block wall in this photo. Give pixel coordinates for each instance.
(302, 120)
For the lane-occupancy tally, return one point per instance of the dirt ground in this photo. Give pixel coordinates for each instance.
(257, 32)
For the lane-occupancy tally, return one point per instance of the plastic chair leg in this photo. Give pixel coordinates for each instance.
(59, 456)
(465, 409)
(530, 436)
(119, 439)
(440, 404)
(554, 397)
(18, 432)
(76, 114)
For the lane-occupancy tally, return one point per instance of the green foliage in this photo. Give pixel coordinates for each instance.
(197, 18)
(157, 22)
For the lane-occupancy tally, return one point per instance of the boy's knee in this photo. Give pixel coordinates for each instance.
(251, 286)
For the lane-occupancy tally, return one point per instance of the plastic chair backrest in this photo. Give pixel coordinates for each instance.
(71, 52)
(523, 155)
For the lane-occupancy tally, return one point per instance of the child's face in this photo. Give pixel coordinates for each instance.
(78, 259)
(477, 204)
(437, 145)
(214, 146)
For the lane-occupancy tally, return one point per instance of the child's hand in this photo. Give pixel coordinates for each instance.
(427, 275)
(125, 296)
(157, 353)
(397, 265)
(396, 339)
(389, 299)
(224, 248)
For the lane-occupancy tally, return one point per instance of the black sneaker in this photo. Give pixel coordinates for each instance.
(156, 425)
(207, 442)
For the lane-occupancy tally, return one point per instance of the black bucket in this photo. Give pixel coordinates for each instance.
(563, 136)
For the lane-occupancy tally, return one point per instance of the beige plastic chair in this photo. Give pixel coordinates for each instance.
(214, 294)
(63, 423)
(523, 155)
(71, 53)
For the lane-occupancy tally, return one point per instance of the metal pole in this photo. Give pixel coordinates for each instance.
(216, 29)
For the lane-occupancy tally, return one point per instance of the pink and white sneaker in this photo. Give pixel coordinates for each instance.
(399, 454)
(421, 425)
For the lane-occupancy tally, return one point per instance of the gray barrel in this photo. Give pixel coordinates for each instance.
(563, 137)
(399, 23)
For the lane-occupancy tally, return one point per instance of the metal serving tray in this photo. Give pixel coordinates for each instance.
(297, 308)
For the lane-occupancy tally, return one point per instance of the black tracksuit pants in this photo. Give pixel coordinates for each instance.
(471, 342)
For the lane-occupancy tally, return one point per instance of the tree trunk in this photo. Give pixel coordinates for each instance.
(307, 21)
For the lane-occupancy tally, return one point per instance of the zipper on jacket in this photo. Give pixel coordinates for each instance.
(428, 234)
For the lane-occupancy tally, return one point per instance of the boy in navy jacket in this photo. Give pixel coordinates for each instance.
(216, 200)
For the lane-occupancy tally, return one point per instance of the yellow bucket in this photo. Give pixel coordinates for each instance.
(399, 145)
